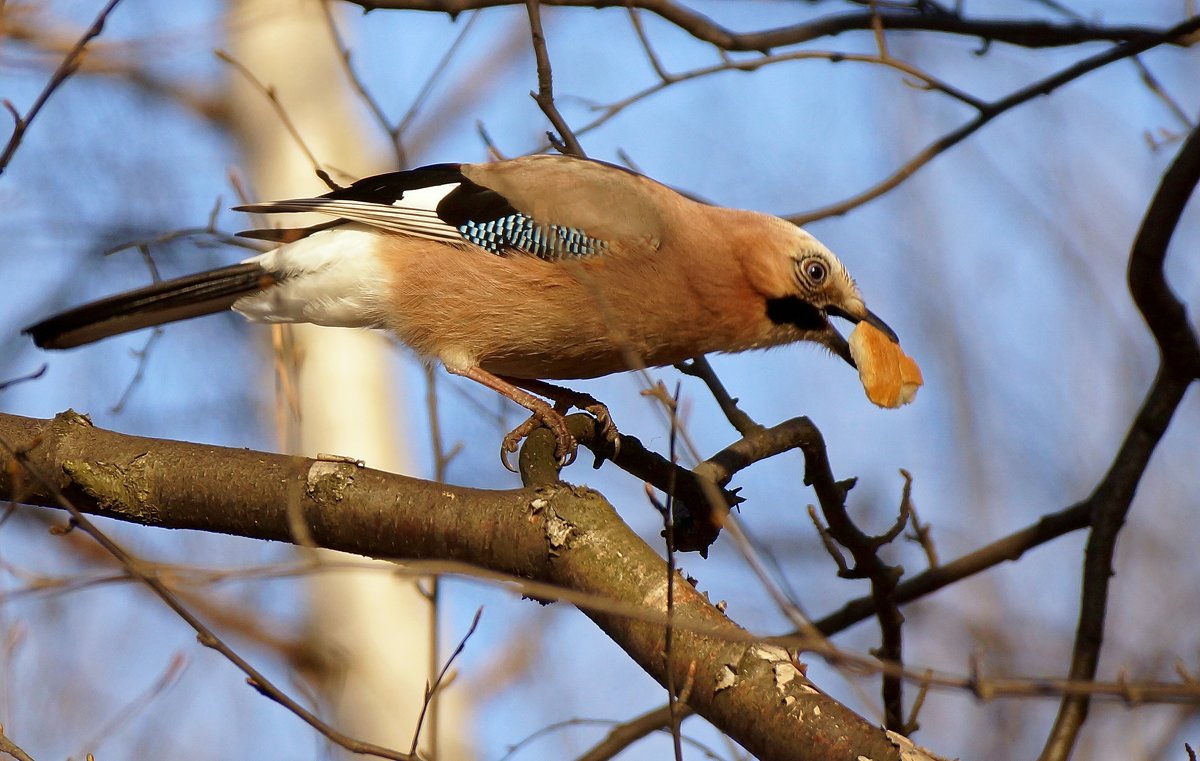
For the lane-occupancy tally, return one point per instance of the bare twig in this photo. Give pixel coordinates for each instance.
(1156, 87)
(867, 564)
(368, 98)
(442, 457)
(922, 533)
(699, 367)
(128, 711)
(1009, 548)
(273, 98)
(625, 734)
(994, 109)
(432, 689)
(545, 92)
(927, 81)
(24, 378)
(65, 69)
(142, 356)
(1025, 33)
(444, 63)
(395, 132)
(11, 748)
(668, 517)
(1180, 364)
(636, 19)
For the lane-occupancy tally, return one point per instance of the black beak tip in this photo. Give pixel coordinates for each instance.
(870, 318)
(874, 321)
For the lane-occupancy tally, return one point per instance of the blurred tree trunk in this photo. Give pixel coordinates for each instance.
(370, 630)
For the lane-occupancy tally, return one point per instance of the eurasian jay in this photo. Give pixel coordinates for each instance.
(515, 272)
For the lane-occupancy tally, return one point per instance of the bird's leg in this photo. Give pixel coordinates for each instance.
(543, 414)
(565, 398)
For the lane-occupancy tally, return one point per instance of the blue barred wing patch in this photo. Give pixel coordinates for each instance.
(517, 231)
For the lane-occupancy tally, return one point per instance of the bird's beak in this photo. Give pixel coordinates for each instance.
(840, 346)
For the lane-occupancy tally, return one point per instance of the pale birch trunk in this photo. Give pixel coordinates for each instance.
(374, 627)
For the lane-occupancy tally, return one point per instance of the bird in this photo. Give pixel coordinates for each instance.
(515, 273)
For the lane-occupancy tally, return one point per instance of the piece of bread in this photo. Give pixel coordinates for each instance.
(889, 376)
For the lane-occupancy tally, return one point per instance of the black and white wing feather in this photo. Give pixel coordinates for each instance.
(440, 203)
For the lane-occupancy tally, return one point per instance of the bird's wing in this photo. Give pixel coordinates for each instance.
(551, 207)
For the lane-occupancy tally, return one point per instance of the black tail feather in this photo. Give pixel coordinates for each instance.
(179, 299)
(289, 234)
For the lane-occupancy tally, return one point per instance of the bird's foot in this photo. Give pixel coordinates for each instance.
(565, 447)
(608, 429)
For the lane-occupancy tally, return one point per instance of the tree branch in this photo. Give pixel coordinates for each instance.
(996, 108)
(561, 535)
(1025, 33)
(1113, 496)
(65, 69)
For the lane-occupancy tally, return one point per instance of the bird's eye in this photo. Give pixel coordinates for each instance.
(814, 270)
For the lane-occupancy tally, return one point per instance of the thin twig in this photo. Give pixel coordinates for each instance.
(928, 81)
(142, 356)
(24, 378)
(699, 367)
(11, 748)
(441, 456)
(273, 98)
(627, 733)
(651, 56)
(922, 533)
(864, 549)
(432, 689)
(991, 111)
(368, 98)
(1156, 87)
(65, 69)
(1008, 548)
(545, 92)
(128, 711)
(668, 515)
(427, 88)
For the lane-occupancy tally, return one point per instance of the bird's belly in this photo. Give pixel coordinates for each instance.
(560, 365)
(527, 318)
(530, 346)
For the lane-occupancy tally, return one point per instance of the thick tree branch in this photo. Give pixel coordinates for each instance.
(560, 535)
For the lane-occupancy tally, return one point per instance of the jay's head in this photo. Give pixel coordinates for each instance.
(805, 285)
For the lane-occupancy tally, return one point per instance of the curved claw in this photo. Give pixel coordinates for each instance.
(565, 448)
(504, 453)
(608, 429)
(566, 451)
